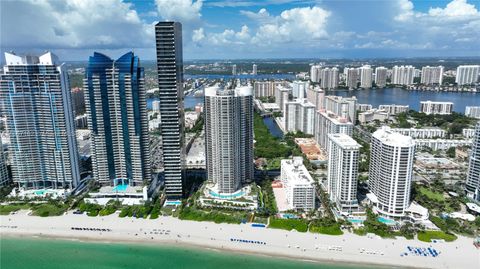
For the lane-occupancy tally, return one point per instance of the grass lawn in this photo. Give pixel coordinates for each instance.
(289, 224)
(47, 210)
(189, 213)
(427, 236)
(437, 196)
(330, 230)
(7, 209)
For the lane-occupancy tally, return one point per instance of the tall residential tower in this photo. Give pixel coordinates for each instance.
(37, 101)
(229, 137)
(473, 177)
(170, 83)
(117, 118)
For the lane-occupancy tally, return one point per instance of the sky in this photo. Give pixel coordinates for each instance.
(245, 29)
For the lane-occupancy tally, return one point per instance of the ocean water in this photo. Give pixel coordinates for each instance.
(28, 253)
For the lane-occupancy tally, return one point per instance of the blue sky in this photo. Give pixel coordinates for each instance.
(222, 29)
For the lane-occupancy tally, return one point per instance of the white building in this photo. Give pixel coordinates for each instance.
(468, 133)
(254, 69)
(299, 115)
(342, 107)
(366, 75)
(281, 96)
(316, 96)
(432, 75)
(229, 137)
(433, 108)
(473, 177)
(329, 123)
(425, 133)
(329, 78)
(343, 159)
(381, 76)
(298, 184)
(364, 107)
(263, 88)
(351, 77)
(467, 74)
(234, 69)
(472, 111)
(156, 106)
(442, 144)
(403, 75)
(394, 109)
(372, 115)
(391, 169)
(315, 73)
(299, 88)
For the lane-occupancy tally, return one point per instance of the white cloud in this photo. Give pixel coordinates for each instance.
(72, 24)
(180, 10)
(456, 8)
(198, 35)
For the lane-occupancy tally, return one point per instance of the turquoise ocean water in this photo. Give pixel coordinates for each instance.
(29, 253)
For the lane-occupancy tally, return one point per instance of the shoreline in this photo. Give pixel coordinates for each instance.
(227, 238)
(198, 247)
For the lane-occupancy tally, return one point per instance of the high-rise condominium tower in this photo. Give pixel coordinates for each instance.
(467, 74)
(36, 96)
(329, 78)
(391, 169)
(3, 166)
(117, 118)
(229, 137)
(343, 157)
(170, 83)
(254, 69)
(403, 75)
(351, 77)
(381, 76)
(366, 74)
(432, 75)
(473, 177)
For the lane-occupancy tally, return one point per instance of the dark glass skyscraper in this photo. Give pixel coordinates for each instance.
(35, 95)
(473, 178)
(117, 117)
(170, 83)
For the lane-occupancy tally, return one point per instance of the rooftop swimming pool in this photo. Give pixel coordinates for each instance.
(226, 196)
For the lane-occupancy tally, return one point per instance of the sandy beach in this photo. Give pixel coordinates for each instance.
(349, 248)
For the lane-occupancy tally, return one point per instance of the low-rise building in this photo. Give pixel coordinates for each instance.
(424, 133)
(472, 111)
(394, 109)
(310, 148)
(298, 184)
(364, 107)
(441, 144)
(372, 115)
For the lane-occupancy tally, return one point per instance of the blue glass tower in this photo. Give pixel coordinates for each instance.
(116, 107)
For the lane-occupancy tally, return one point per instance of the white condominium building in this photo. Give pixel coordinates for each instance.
(156, 106)
(372, 115)
(229, 137)
(351, 77)
(425, 133)
(391, 169)
(329, 78)
(343, 159)
(364, 107)
(281, 96)
(299, 115)
(467, 74)
(344, 107)
(472, 111)
(432, 107)
(381, 76)
(442, 144)
(254, 69)
(366, 75)
(234, 69)
(468, 133)
(432, 75)
(263, 88)
(473, 177)
(328, 123)
(299, 88)
(394, 109)
(315, 73)
(298, 184)
(403, 75)
(315, 95)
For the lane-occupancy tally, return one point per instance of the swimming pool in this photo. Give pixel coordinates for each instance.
(120, 188)
(226, 196)
(356, 221)
(386, 221)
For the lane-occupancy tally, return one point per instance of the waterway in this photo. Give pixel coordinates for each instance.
(273, 127)
(387, 96)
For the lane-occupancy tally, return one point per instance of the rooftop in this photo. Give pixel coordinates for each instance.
(391, 138)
